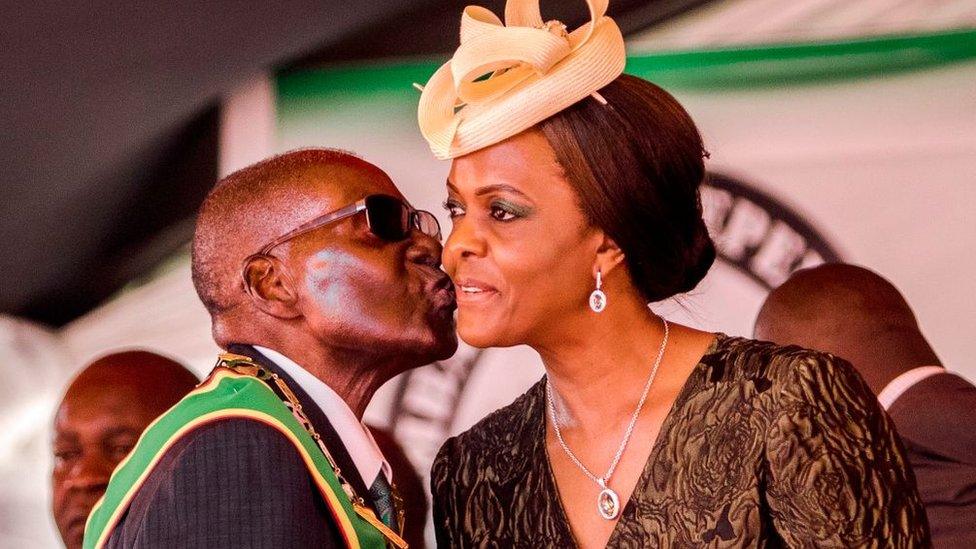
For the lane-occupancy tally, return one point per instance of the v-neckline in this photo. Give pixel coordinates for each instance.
(644, 477)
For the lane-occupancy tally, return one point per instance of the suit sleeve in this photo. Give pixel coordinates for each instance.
(236, 483)
(837, 475)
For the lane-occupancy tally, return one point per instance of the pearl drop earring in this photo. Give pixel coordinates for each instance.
(598, 299)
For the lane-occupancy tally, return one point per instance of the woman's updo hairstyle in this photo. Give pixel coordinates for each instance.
(636, 164)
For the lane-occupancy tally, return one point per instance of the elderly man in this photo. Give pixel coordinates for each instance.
(322, 283)
(854, 313)
(99, 420)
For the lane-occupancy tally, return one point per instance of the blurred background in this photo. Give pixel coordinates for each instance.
(838, 130)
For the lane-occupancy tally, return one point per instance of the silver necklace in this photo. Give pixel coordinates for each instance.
(608, 502)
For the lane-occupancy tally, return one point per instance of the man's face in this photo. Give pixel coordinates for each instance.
(94, 430)
(361, 293)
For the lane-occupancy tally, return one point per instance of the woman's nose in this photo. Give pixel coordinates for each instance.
(465, 241)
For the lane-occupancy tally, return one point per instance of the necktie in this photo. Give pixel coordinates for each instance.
(382, 495)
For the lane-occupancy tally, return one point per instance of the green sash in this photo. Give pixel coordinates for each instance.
(225, 394)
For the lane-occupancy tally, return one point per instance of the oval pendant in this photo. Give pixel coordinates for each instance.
(608, 504)
(598, 301)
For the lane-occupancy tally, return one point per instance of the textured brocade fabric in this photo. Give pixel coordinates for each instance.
(765, 446)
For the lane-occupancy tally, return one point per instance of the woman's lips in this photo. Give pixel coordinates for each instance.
(471, 291)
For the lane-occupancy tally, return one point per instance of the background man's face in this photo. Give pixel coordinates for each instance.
(95, 428)
(361, 292)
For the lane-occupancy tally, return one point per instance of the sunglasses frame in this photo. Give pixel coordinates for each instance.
(349, 211)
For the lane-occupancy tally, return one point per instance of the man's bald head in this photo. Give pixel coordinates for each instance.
(159, 381)
(100, 418)
(250, 207)
(851, 312)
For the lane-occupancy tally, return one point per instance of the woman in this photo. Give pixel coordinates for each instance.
(569, 218)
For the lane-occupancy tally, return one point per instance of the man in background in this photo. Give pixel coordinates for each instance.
(853, 313)
(100, 418)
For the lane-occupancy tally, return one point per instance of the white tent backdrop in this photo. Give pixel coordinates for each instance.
(751, 22)
(862, 150)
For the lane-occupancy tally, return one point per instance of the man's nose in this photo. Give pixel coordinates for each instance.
(90, 473)
(424, 249)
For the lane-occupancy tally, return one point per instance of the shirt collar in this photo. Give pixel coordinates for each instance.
(355, 435)
(896, 387)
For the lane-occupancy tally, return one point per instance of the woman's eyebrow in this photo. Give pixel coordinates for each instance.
(488, 189)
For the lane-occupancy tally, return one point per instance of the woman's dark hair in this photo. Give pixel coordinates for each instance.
(636, 164)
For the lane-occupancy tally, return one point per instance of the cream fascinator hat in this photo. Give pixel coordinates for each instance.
(503, 79)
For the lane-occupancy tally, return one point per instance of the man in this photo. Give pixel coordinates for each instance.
(323, 284)
(99, 420)
(854, 313)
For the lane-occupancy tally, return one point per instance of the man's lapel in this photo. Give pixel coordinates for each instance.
(315, 415)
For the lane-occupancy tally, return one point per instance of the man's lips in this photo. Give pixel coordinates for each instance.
(442, 294)
(76, 525)
(472, 290)
(73, 515)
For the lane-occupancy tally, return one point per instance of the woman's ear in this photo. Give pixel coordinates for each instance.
(269, 287)
(608, 256)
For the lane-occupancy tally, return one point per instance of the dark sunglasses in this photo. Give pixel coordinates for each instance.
(388, 217)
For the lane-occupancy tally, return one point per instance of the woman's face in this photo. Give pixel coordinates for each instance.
(521, 252)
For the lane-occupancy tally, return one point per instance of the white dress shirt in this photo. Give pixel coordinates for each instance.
(896, 387)
(357, 439)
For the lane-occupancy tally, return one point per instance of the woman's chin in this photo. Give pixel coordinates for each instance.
(478, 331)
(477, 337)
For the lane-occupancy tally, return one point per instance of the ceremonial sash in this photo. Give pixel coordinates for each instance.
(224, 395)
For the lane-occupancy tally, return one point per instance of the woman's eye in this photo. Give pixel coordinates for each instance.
(501, 214)
(502, 210)
(454, 209)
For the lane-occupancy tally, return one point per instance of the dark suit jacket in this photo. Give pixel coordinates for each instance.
(936, 419)
(237, 483)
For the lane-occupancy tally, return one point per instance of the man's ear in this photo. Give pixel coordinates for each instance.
(269, 287)
(608, 257)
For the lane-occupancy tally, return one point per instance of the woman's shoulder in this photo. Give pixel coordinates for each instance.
(504, 432)
(743, 358)
(823, 437)
(778, 368)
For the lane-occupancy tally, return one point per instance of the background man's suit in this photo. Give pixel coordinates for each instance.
(936, 419)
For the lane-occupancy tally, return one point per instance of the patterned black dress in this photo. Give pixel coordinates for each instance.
(765, 446)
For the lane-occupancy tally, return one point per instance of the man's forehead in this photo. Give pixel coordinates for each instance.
(343, 183)
(98, 393)
(102, 393)
(100, 412)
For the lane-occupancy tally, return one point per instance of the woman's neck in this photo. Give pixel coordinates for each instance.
(598, 364)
